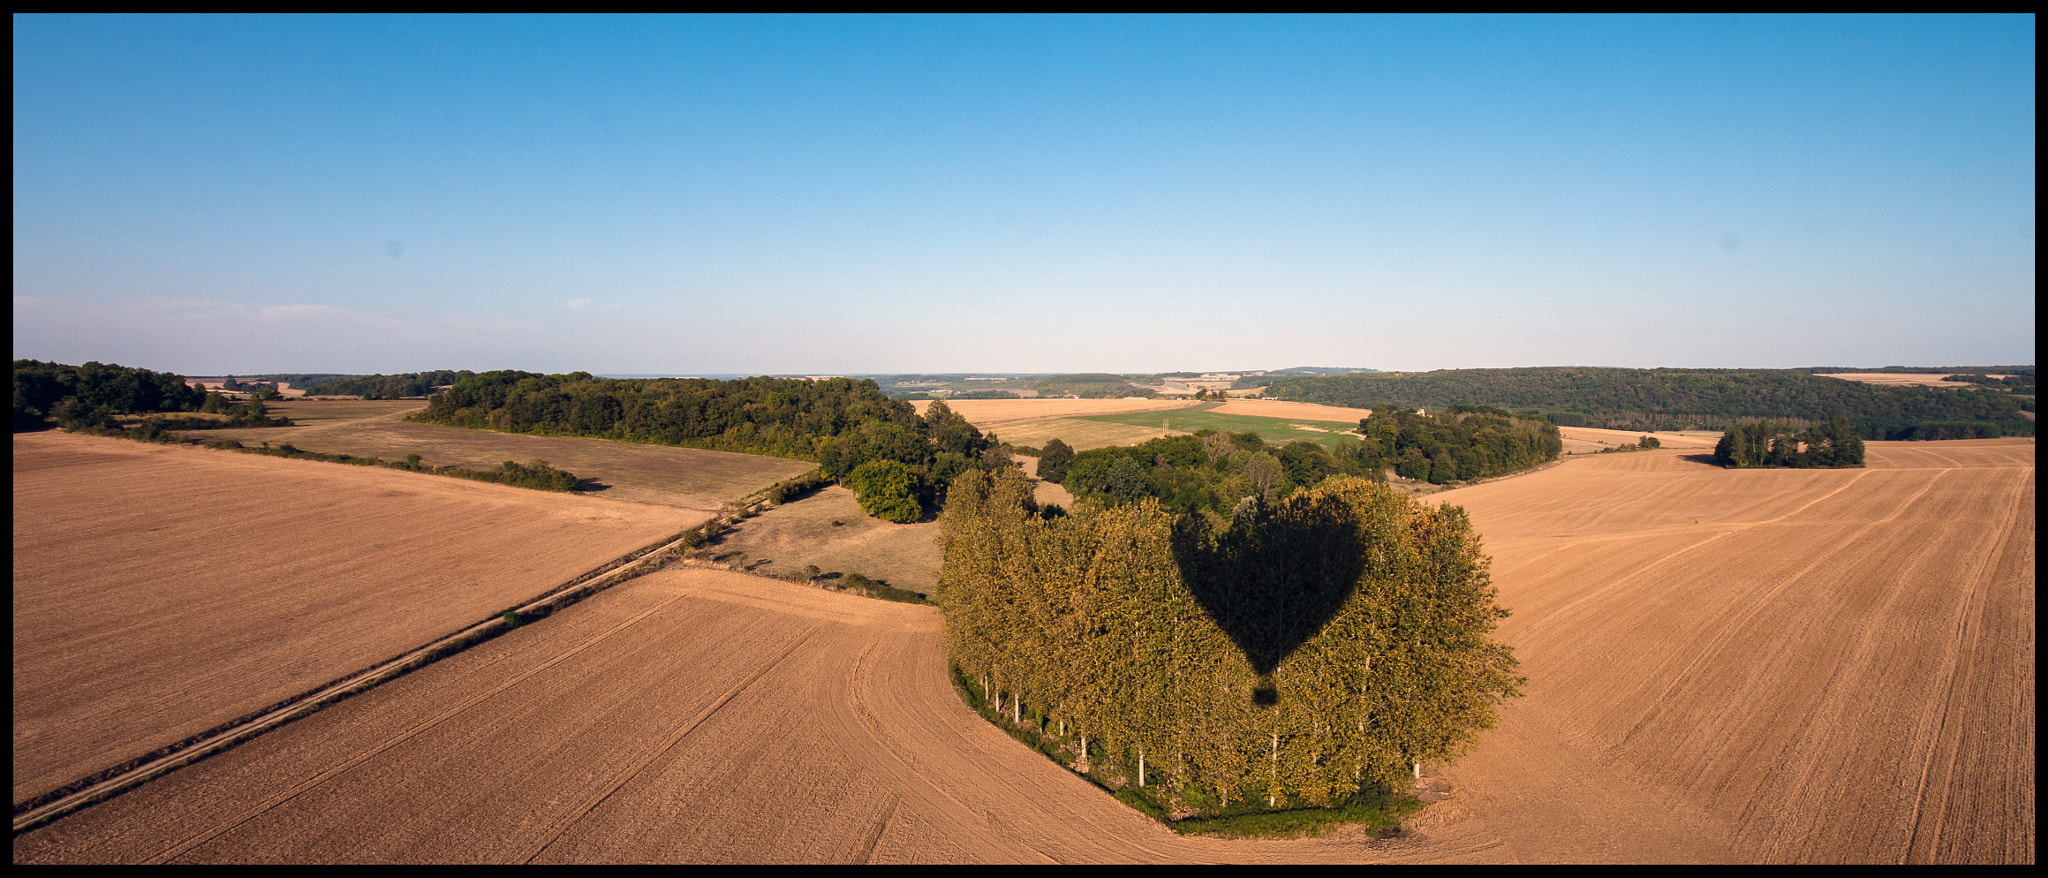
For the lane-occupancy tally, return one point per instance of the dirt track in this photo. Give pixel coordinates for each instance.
(1725, 666)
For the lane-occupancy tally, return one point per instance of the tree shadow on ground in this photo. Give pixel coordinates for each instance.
(588, 486)
(1707, 459)
(1272, 583)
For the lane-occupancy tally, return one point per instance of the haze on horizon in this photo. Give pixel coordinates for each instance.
(870, 194)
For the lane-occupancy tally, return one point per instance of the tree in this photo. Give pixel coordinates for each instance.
(1054, 460)
(887, 490)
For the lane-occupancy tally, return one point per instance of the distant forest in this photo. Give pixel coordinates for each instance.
(380, 386)
(1681, 399)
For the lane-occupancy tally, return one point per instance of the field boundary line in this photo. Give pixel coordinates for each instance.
(300, 788)
(107, 783)
(625, 777)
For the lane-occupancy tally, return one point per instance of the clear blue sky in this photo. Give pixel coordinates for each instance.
(689, 195)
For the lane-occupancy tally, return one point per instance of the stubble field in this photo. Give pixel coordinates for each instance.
(1725, 666)
(685, 478)
(159, 591)
(1791, 665)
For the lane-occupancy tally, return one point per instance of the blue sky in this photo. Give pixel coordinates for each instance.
(880, 194)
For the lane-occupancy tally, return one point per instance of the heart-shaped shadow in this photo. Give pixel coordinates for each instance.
(1274, 581)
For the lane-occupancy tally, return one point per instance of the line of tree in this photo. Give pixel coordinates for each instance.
(399, 386)
(1308, 651)
(93, 394)
(841, 424)
(1673, 399)
(1778, 445)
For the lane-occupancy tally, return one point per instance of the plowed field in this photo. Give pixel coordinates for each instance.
(1725, 666)
(1807, 666)
(160, 591)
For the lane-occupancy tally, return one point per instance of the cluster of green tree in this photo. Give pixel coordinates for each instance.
(1644, 444)
(1209, 471)
(1461, 443)
(92, 394)
(1308, 650)
(1669, 399)
(1756, 445)
(380, 386)
(839, 423)
(986, 394)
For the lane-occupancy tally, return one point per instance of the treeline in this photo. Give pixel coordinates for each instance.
(92, 394)
(1309, 651)
(1209, 471)
(1780, 445)
(537, 475)
(380, 386)
(1672, 399)
(1216, 471)
(840, 423)
(1462, 443)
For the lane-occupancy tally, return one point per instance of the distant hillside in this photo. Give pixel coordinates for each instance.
(1677, 399)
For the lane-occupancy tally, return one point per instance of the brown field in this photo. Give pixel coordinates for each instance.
(1787, 665)
(159, 591)
(828, 530)
(685, 478)
(1725, 666)
(1080, 434)
(986, 413)
(1590, 440)
(1901, 379)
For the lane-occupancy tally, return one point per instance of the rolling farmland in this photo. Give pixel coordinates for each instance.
(1724, 666)
(685, 478)
(160, 591)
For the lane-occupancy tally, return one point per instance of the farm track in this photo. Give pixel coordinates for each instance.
(1725, 666)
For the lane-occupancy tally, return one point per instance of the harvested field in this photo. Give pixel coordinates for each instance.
(685, 478)
(1080, 433)
(689, 716)
(1591, 440)
(1725, 666)
(827, 529)
(1329, 434)
(1901, 379)
(986, 413)
(1789, 665)
(160, 591)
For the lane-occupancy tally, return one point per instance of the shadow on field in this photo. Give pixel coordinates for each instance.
(590, 486)
(1707, 458)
